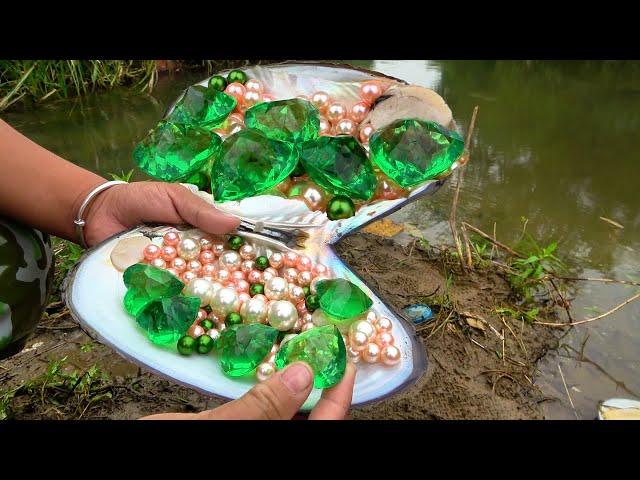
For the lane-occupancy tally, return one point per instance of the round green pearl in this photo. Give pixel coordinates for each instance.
(218, 82)
(205, 344)
(186, 345)
(262, 262)
(233, 318)
(340, 207)
(235, 242)
(312, 302)
(256, 289)
(206, 324)
(237, 76)
(306, 290)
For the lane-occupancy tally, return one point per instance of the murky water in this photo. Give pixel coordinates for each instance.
(555, 143)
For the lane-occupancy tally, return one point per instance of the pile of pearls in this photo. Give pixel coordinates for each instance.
(370, 340)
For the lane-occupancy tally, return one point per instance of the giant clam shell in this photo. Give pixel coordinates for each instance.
(103, 316)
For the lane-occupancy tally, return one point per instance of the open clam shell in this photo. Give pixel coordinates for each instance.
(94, 289)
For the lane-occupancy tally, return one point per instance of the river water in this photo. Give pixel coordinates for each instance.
(555, 143)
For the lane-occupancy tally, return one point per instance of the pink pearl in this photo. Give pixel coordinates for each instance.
(247, 265)
(230, 284)
(168, 253)
(290, 275)
(370, 91)
(171, 239)
(207, 257)
(372, 318)
(236, 118)
(221, 326)
(384, 324)
(202, 314)
(205, 243)
(195, 266)
(266, 276)
(179, 264)
(390, 355)
(254, 85)
(371, 353)
(217, 249)
(336, 112)
(247, 252)
(224, 275)
(254, 276)
(307, 326)
(304, 278)
(319, 269)
(213, 317)
(358, 341)
(195, 331)
(236, 90)
(244, 297)
(242, 286)
(272, 271)
(307, 317)
(209, 270)
(314, 282)
(267, 98)
(158, 263)
(346, 126)
(359, 111)
(188, 276)
(235, 128)
(325, 126)
(321, 100)
(384, 338)
(276, 260)
(238, 275)
(290, 259)
(251, 98)
(151, 251)
(173, 271)
(365, 133)
(296, 293)
(301, 307)
(303, 263)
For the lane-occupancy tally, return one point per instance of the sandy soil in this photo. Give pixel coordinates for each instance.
(465, 380)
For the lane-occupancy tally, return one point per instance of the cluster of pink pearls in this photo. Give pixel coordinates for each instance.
(370, 340)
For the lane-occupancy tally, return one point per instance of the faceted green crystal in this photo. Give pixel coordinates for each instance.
(203, 107)
(340, 166)
(146, 283)
(249, 164)
(243, 347)
(412, 151)
(172, 152)
(322, 348)
(293, 120)
(166, 320)
(342, 299)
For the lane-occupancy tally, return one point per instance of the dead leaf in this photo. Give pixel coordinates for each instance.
(384, 228)
(476, 324)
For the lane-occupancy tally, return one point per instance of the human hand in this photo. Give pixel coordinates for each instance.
(125, 206)
(279, 398)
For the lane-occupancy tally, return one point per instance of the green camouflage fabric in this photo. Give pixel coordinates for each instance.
(26, 275)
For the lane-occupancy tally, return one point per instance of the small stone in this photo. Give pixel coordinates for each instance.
(146, 283)
(342, 299)
(418, 313)
(292, 120)
(128, 251)
(322, 348)
(243, 347)
(167, 319)
(202, 107)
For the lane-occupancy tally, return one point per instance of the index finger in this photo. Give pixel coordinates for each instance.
(335, 402)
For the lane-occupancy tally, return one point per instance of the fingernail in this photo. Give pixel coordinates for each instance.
(297, 378)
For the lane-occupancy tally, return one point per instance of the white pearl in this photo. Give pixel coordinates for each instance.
(286, 338)
(189, 248)
(214, 333)
(230, 260)
(364, 327)
(282, 315)
(276, 288)
(353, 355)
(201, 288)
(319, 318)
(247, 252)
(215, 288)
(225, 301)
(358, 341)
(264, 371)
(254, 311)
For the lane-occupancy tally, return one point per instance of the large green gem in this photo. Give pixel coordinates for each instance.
(146, 283)
(340, 166)
(166, 320)
(173, 152)
(293, 120)
(322, 348)
(249, 164)
(342, 299)
(412, 151)
(243, 347)
(203, 107)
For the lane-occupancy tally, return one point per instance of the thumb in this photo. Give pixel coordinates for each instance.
(278, 398)
(197, 212)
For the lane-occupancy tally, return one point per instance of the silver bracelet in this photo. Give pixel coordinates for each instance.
(79, 221)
